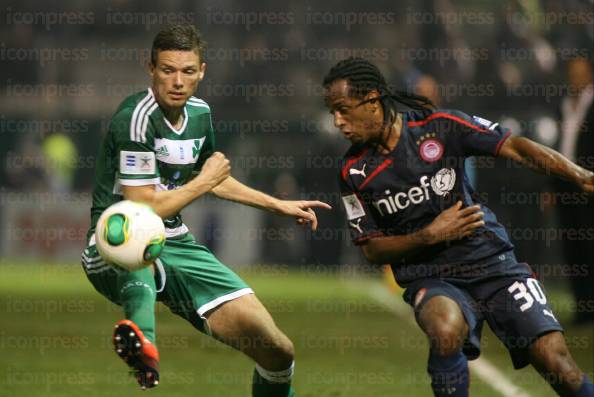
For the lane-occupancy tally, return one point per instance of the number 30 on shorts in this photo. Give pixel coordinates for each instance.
(527, 292)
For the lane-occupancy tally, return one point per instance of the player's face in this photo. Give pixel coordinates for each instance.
(358, 122)
(176, 76)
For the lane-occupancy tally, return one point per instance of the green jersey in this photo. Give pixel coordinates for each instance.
(143, 148)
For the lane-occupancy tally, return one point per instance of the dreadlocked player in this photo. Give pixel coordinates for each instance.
(409, 203)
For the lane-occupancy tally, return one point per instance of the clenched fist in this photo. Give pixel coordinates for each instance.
(215, 170)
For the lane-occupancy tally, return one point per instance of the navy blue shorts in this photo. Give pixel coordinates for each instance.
(514, 306)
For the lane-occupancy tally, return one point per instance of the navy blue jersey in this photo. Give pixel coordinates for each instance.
(406, 189)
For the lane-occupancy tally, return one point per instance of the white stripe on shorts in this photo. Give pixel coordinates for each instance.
(161, 269)
(89, 260)
(100, 269)
(222, 299)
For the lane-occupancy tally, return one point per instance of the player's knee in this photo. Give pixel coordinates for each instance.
(286, 350)
(554, 359)
(551, 356)
(278, 354)
(444, 324)
(446, 338)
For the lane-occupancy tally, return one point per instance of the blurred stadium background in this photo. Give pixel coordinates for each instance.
(65, 68)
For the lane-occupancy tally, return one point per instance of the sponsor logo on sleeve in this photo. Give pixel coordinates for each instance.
(353, 206)
(485, 123)
(137, 163)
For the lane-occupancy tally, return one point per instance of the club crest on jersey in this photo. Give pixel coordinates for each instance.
(353, 207)
(443, 182)
(431, 150)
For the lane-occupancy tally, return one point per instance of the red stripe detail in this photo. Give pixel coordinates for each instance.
(501, 142)
(350, 162)
(379, 169)
(446, 116)
(362, 239)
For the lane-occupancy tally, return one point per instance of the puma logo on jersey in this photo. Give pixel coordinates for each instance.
(356, 225)
(354, 171)
(549, 313)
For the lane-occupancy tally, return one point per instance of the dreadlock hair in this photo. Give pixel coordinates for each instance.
(363, 77)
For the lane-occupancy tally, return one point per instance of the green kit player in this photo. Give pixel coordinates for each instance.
(160, 150)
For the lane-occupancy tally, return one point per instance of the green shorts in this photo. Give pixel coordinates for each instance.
(190, 280)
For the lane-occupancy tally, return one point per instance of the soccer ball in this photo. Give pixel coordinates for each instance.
(130, 235)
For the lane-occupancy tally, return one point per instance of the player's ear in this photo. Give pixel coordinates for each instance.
(201, 71)
(372, 96)
(151, 69)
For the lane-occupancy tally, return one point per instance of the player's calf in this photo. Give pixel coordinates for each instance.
(245, 324)
(551, 358)
(138, 353)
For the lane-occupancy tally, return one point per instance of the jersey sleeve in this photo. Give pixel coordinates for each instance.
(134, 142)
(476, 136)
(360, 220)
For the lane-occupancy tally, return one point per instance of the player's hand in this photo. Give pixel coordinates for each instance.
(302, 210)
(587, 183)
(455, 223)
(215, 170)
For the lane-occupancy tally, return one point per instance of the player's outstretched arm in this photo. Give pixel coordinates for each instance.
(170, 202)
(547, 161)
(452, 224)
(233, 190)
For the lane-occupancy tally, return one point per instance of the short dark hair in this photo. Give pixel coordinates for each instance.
(363, 77)
(180, 37)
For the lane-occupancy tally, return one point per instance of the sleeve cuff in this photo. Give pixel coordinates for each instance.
(501, 142)
(139, 182)
(360, 240)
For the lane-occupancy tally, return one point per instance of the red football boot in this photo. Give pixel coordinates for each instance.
(138, 352)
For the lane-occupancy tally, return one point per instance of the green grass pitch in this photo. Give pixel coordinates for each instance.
(55, 341)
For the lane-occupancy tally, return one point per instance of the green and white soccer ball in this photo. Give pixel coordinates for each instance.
(130, 235)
